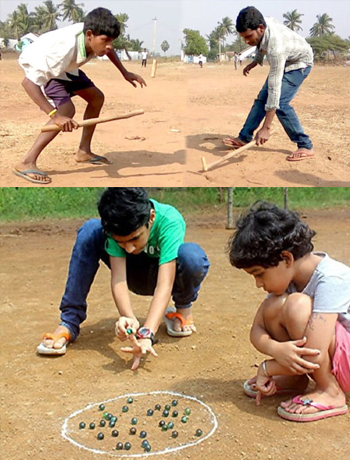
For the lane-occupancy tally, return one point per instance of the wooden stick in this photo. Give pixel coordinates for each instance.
(228, 156)
(94, 121)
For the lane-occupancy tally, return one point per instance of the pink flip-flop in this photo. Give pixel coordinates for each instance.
(300, 154)
(323, 411)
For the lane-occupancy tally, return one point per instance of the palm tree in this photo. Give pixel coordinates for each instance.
(20, 21)
(72, 11)
(292, 20)
(225, 28)
(323, 26)
(136, 44)
(45, 17)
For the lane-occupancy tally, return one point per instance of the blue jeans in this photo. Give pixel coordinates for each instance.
(191, 268)
(290, 85)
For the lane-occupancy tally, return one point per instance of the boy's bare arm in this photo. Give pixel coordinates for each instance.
(162, 294)
(119, 286)
(129, 76)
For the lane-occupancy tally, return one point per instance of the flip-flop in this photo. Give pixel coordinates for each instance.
(98, 160)
(24, 175)
(323, 411)
(170, 314)
(42, 349)
(248, 391)
(300, 154)
(233, 143)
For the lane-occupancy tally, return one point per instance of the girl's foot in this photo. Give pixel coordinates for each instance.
(304, 404)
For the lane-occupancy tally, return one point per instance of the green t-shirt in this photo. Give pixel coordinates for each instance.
(166, 235)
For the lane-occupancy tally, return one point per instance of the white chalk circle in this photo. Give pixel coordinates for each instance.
(201, 413)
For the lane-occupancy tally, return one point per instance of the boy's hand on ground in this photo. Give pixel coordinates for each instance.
(123, 324)
(65, 123)
(132, 77)
(262, 136)
(248, 68)
(291, 355)
(139, 349)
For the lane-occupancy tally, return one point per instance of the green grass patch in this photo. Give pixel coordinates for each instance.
(23, 204)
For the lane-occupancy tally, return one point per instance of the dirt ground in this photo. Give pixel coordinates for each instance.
(38, 393)
(188, 111)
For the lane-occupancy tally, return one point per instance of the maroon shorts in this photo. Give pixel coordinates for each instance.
(61, 91)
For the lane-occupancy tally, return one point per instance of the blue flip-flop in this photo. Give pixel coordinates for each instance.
(24, 175)
(98, 160)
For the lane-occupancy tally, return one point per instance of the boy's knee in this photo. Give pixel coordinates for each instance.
(193, 259)
(90, 230)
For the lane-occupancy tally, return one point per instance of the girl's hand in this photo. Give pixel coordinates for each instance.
(291, 355)
(139, 349)
(265, 385)
(123, 324)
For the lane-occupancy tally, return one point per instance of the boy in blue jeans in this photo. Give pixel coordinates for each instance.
(52, 69)
(142, 242)
(290, 58)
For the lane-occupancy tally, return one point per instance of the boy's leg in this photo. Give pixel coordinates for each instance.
(291, 83)
(192, 267)
(95, 99)
(87, 252)
(29, 161)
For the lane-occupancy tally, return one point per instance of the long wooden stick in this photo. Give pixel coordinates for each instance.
(94, 121)
(228, 156)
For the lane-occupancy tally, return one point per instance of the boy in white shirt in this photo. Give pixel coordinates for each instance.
(144, 56)
(52, 62)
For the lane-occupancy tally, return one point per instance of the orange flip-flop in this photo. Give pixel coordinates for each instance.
(170, 314)
(42, 349)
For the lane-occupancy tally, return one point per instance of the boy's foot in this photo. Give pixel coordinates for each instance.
(301, 154)
(56, 343)
(91, 158)
(234, 143)
(179, 322)
(31, 173)
(313, 406)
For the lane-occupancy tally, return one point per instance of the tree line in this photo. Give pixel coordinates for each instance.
(322, 37)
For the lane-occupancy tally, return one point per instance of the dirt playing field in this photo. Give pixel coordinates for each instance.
(39, 393)
(188, 111)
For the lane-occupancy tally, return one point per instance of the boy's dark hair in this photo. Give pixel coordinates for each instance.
(249, 18)
(102, 22)
(123, 210)
(264, 232)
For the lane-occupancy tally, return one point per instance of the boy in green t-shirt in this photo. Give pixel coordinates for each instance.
(142, 242)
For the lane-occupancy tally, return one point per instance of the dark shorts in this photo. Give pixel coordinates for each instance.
(61, 91)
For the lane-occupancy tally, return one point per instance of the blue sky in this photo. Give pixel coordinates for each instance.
(203, 15)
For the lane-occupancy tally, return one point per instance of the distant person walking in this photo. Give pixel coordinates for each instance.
(240, 58)
(200, 60)
(144, 56)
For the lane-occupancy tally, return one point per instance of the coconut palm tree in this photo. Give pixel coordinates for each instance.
(20, 21)
(45, 17)
(225, 28)
(72, 11)
(323, 26)
(292, 20)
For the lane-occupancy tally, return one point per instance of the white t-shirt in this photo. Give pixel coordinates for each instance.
(329, 287)
(144, 54)
(55, 53)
